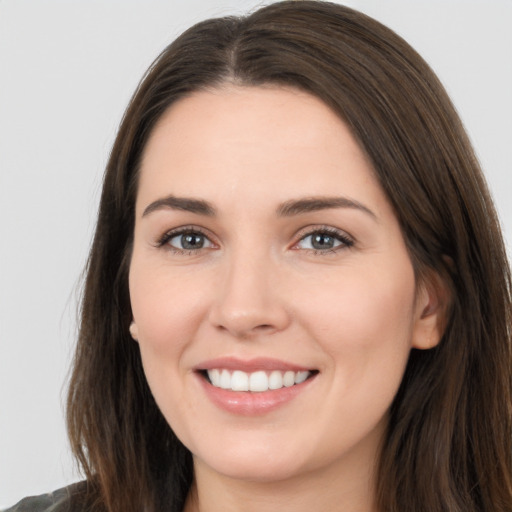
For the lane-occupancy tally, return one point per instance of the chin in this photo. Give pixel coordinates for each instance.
(256, 470)
(254, 462)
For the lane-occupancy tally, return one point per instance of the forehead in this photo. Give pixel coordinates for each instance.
(243, 114)
(271, 140)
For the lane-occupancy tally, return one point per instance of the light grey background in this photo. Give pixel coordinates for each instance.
(67, 71)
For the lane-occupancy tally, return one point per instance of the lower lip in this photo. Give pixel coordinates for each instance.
(247, 403)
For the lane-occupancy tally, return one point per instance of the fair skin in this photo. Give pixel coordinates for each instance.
(236, 267)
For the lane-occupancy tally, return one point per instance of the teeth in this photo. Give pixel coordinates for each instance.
(225, 380)
(258, 381)
(239, 381)
(275, 380)
(289, 379)
(255, 381)
(301, 377)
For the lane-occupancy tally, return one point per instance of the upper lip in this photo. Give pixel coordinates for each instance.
(250, 365)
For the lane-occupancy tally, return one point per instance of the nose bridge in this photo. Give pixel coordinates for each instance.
(247, 300)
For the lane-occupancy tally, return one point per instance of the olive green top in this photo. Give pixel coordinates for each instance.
(57, 501)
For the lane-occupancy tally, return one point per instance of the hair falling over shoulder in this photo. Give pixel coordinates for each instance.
(448, 444)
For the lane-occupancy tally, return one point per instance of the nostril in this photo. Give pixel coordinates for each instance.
(264, 327)
(243, 329)
(246, 302)
(258, 329)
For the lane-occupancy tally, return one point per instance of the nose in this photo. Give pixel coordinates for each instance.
(249, 300)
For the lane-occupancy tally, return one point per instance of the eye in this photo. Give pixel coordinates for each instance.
(186, 241)
(324, 240)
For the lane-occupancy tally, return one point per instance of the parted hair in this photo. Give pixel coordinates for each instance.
(448, 443)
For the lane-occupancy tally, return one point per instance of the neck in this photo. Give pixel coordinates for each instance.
(349, 487)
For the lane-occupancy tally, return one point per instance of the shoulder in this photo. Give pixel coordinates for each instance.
(60, 500)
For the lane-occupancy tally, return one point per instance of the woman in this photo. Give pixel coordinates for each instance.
(297, 294)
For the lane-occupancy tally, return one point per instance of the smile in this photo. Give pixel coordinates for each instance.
(253, 387)
(258, 381)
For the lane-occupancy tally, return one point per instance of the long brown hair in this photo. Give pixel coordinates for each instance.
(448, 446)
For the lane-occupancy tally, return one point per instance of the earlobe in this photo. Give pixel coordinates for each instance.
(134, 331)
(432, 306)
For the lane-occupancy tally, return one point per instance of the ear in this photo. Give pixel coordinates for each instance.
(432, 307)
(134, 331)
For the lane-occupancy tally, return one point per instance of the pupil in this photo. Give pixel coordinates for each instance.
(322, 241)
(192, 241)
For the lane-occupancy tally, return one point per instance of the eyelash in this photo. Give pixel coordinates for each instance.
(186, 230)
(346, 242)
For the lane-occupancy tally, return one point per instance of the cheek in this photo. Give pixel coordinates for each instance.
(364, 320)
(167, 313)
(165, 310)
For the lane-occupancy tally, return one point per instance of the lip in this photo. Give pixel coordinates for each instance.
(246, 403)
(250, 365)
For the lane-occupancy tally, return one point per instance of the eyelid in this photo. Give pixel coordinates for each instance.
(189, 228)
(341, 235)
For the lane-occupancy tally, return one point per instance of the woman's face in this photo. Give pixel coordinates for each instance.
(273, 297)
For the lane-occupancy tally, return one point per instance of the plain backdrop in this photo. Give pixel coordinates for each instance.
(67, 71)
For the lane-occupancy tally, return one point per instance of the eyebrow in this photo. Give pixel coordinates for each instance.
(314, 204)
(187, 204)
(286, 209)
